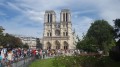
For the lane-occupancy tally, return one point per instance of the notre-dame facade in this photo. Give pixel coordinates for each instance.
(58, 35)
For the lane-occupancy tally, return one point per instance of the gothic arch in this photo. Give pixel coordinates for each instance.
(65, 45)
(48, 45)
(57, 44)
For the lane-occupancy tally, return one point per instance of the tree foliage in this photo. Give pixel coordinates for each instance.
(117, 28)
(11, 41)
(1, 35)
(38, 45)
(7, 40)
(99, 37)
(25, 46)
(1, 30)
(115, 52)
(87, 44)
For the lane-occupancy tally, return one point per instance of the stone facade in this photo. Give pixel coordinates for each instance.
(58, 35)
(30, 41)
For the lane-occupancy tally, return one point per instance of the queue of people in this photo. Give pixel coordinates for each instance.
(8, 55)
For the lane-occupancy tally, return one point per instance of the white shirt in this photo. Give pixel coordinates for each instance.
(10, 56)
(2, 54)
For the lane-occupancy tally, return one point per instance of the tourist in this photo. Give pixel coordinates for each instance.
(43, 54)
(40, 52)
(9, 57)
(37, 54)
(2, 54)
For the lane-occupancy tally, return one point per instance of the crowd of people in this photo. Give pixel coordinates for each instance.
(8, 55)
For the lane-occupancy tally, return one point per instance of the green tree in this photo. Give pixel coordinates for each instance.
(1, 35)
(1, 30)
(115, 51)
(38, 44)
(10, 41)
(7, 40)
(99, 36)
(87, 44)
(26, 46)
(117, 28)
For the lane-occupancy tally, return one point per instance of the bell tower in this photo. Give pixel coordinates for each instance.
(66, 26)
(49, 19)
(65, 15)
(50, 16)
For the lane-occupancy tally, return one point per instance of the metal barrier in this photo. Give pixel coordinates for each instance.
(21, 63)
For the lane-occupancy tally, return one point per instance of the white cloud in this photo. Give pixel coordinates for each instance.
(12, 6)
(22, 26)
(110, 10)
(34, 10)
(34, 15)
(83, 12)
(43, 4)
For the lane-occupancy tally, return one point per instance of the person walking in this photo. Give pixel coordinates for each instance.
(2, 54)
(40, 52)
(10, 58)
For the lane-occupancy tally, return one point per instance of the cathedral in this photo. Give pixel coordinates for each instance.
(58, 35)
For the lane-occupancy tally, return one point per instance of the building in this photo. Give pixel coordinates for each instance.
(30, 41)
(58, 35)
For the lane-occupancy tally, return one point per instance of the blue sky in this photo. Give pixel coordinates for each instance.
(26, 17)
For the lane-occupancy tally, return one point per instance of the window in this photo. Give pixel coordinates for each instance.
(66, 17)
(50, 17)
(63, 33)
(63, 17)
(57, 32)
(47, 34)
(48, 45)
(66, 33)
(65, 45)
(57, 43)
(50, 34)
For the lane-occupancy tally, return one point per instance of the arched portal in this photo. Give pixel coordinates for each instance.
(48, 45)
(57, 43)
(65, 45)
